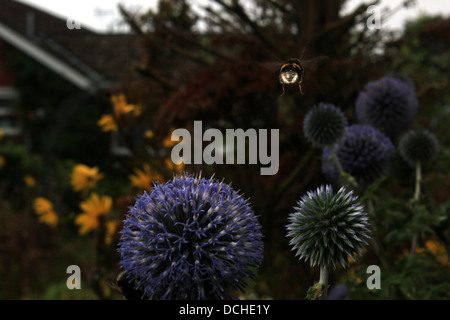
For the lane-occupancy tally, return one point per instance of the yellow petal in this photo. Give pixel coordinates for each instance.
(111, 227)
(144, 179)
(84, 177)
(86, 222)
(50, 218)
(29, 181)
(96, 206)
(42, 205)
(107, 123)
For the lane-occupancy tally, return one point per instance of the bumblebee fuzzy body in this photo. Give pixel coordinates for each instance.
(127, 288)
(291, 72)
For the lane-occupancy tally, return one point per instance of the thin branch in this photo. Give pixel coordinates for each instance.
(153, 38)
(278, 6)
(237, 9)
(154, 75)
(222, 21)
(130, 20)
(189, 40)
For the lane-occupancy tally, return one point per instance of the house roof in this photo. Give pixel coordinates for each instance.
(84, 57)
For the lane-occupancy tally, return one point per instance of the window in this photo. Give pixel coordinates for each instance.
(9, 121)
(118, 147)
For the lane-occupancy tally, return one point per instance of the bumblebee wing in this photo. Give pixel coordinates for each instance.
(127, 288)
(314, 63)
(272, 66)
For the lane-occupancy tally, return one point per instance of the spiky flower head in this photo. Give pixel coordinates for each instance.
(190, 238)
(363, 152)
(388, 104)
(324, 124)
(402, 77)
(419, 147)
(327, 228)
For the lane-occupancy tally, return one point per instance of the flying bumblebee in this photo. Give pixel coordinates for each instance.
(126, 288)
(291, 71)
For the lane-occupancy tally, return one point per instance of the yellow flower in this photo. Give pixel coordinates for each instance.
(93, 208)
(2, 161)
(120, 105)
(111, 227)
(437, 249)
(42, 205)
(86, 222)
(44, 209)
(2, 133)
(137, 109)
(50, 218)
(172, 166)
(168, 142)
(96, 205)
(143, 178)
(107, 123)
(29, 181)
(84, 177)
(148, 134)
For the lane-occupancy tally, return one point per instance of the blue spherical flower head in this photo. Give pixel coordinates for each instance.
(327, 228)
(402, 77)
(190, 238)
(388, 104)
(363, 152)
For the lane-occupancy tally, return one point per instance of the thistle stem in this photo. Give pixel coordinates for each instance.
(336, 161)
(323, 280)
(415, 201)
(418, 182)
(346, 179)
(374, 239)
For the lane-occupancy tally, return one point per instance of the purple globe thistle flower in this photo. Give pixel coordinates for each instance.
(388, 104)
(190, 238)
(339, 292)
(363, 152)
(402, 77)
(328, 227)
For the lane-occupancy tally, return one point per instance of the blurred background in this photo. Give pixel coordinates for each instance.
(89, 96)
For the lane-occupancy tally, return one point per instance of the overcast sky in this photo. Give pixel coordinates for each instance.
(102, 15)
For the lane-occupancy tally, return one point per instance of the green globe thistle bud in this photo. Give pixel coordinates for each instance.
(327, 228)
(418, 147)
(324, 124)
